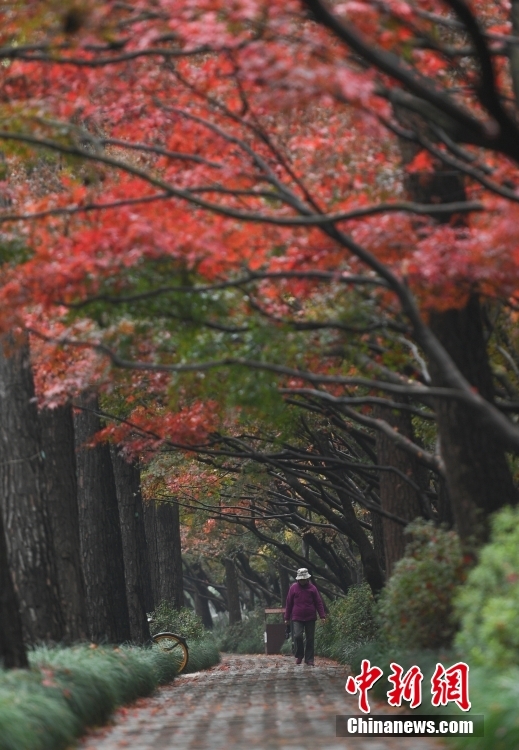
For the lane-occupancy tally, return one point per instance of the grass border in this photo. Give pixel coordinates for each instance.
(67, 690)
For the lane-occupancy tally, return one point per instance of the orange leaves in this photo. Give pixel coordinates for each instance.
(148, 428)
(422, 162)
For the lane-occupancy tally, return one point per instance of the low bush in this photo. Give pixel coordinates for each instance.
(67, 689)
(180, 621)
(350, 623)
(415, 609)
(488, 604)
(246, 637)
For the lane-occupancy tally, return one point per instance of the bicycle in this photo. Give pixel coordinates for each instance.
(168, 642)
(171, 642)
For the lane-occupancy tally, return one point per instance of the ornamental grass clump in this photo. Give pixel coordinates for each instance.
(68, 689)
(415, 609)
(203, 654)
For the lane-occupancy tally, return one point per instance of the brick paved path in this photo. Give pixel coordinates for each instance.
(247, 703)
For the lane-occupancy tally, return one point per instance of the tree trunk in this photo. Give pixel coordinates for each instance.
(396, 495)
(479, 481)
(284, 583)
(60, 474)
(24, 500)
(202, 609)
(478, 477)
(378, 539)
(135, 551)
(101, 544)
(163, 535)
(150, 528)
(233, 594)
(12, 648)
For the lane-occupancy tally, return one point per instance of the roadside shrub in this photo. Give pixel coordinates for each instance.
(415, 609)
(488, 604)
(244, 637)
(180, 621)
(496, 696)
(351, 622)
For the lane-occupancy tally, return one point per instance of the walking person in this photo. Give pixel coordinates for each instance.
(303, 605)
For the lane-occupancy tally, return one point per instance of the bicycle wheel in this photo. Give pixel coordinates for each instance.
(175, 645)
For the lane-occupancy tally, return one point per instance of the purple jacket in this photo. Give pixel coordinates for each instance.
(302, 601)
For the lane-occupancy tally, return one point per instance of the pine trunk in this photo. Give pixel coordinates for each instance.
(135, 551)
(377, 533)
(60, 474)
(12, 648)
(396, 495)
(233, 593)
(164, 544)
(202, 609)
(284, 583)
(100, 533)
(478, 477)
(24, 500)
(150, 528)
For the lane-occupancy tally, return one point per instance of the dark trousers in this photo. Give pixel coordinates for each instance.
(302, 649)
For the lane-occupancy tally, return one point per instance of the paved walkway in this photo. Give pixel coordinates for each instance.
(246, 703)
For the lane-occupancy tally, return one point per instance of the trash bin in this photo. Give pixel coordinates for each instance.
(274, 631)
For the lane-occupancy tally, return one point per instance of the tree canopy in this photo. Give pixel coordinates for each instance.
(227, 215)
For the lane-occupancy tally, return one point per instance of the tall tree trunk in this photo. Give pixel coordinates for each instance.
(24, 499)
(135, 551)
(60, 475)
(202, 608)
(101, 544)
(478, 477)
(202, 595)
(150, 528)
(162, 522)
(233, 593)
(396, 495)
(12, 648)
(284, 583)
(377, 533)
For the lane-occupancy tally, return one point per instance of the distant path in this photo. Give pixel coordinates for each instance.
(246, 703)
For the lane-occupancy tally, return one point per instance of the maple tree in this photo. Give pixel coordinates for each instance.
(322, 194)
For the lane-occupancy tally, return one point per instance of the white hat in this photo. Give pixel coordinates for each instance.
(302, 573)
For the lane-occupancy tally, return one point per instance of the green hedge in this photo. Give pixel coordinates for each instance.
(350, 623)
(67, 689)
